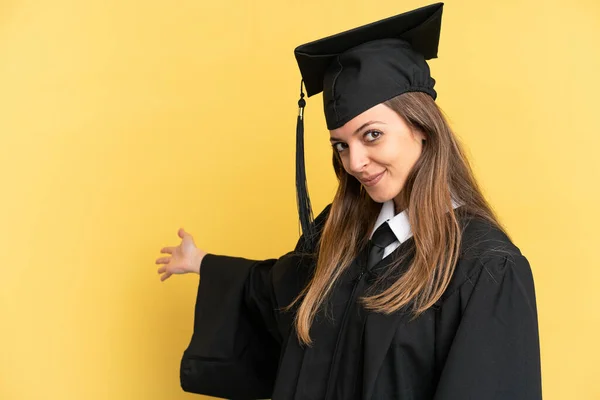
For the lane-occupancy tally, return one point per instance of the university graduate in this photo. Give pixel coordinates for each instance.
(404, 287)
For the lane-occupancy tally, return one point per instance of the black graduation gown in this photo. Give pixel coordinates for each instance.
(479, 341)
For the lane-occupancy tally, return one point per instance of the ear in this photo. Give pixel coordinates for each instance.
(418, 135)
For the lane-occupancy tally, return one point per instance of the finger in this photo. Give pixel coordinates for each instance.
(161, 269)
(182, 233)
(168, 250)
(163, 260)
(165, 276)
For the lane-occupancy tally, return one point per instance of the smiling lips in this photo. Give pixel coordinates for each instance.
(372, 181)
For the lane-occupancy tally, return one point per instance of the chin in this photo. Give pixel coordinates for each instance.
(381, 196)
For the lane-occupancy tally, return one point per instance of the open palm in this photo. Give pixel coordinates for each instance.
(183, 258)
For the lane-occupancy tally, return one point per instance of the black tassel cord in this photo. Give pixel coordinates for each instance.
(303, 200)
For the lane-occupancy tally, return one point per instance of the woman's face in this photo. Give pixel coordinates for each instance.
(379, 149)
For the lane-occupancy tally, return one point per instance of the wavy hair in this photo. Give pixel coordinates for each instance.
(441, 174)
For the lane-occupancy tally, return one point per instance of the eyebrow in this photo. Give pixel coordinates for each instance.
(358, 130)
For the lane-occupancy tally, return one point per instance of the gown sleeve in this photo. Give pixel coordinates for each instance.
(495, 353)
(231, 353)
(235, 346)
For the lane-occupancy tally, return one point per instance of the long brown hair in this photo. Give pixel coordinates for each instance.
(441, 172)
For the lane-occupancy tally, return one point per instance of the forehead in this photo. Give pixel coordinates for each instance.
(380, 112)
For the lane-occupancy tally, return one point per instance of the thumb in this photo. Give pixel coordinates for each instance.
(181, 233)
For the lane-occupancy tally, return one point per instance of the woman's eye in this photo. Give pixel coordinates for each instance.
(370, 136)
(339, 146)
(374, 135)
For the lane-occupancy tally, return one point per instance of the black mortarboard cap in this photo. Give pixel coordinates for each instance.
(360, 68)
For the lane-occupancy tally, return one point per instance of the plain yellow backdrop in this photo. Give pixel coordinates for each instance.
(121, 121)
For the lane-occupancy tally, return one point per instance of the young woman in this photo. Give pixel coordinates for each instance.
(404, 287)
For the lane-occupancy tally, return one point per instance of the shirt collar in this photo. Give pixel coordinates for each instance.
(398, 223)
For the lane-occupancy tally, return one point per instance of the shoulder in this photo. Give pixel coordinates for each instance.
(483, 240)
(292, 271)
(485, 247)
(319, 224)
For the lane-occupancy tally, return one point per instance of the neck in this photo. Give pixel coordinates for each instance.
(399, 205)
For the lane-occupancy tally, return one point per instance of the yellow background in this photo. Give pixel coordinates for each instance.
(122, 121)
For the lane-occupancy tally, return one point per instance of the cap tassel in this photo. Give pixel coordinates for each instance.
(303, 200)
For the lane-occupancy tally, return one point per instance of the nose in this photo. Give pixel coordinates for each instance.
(357, 158)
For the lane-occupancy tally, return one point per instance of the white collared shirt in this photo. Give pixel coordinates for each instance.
(398, 223)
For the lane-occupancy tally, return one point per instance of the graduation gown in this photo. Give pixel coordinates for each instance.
(479, 341)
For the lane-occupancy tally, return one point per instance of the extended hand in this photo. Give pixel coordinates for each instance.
(184, 258)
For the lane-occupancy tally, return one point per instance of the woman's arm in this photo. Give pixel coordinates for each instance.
(235, 347)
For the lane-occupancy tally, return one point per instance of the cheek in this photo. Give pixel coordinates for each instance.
(344, 163)
(404, 158)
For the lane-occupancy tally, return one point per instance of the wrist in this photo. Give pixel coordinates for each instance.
(198, 263)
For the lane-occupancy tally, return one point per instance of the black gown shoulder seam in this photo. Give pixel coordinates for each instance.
(506, 259)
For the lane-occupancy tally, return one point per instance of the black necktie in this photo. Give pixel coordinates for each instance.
(382, 238)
